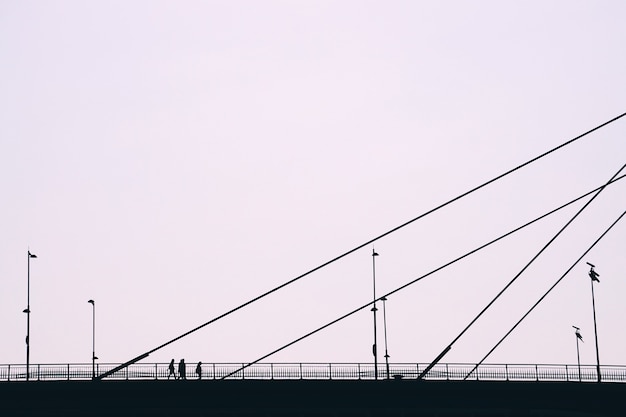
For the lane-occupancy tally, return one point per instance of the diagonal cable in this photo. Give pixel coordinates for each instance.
(447, 349)
(421, 277)
(265, 294)
(546, 294)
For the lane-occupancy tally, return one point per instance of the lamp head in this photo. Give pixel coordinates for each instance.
(92, 302)
(31, 255)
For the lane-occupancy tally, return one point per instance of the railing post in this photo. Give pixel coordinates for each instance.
(243, 371)
(537, 372)
(9, 374)
(447, 373)
(358, 368)
(68, 371)
(272, 371)
(156, 371)
(506, 371)
(214, 371)
(330, 371)
(301, 371)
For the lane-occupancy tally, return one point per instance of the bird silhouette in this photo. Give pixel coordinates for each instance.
(578, 335)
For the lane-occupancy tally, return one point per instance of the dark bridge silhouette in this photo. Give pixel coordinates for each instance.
(401, 398)
(259, 389)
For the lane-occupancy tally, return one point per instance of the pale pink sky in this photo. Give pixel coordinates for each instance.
(172, 160)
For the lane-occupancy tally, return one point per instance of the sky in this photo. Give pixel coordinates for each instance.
(173, 160)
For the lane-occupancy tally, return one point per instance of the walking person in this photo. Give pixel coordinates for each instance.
(182, 371)
(199, 370)
(172, 370)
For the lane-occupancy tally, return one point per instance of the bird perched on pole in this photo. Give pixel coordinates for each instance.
(592, 273)
(578, 335)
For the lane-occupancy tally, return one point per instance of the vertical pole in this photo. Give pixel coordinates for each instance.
(27, 311)
(93, 339)
(578, 356)
(384, 300)
(374, 309)
(93, 343)
(28, 319)
(595, 328)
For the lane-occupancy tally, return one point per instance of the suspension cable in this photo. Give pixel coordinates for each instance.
(265, 294)
(422, 277)
(546, 294)
(447, 349)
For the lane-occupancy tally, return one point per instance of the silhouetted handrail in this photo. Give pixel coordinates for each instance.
(319, 371)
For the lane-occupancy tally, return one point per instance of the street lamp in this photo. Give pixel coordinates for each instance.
(384, 299)
(374, 309)
(578, 337)
(594, 277)
(27, 311)
(93, 343)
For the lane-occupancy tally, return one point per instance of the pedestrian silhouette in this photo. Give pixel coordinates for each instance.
(199, 370)
(182, 372)
(172, 370)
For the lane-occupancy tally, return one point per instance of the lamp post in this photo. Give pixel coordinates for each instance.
(578, 337)
(384, 299)
(374, 309)
(594, 277)
(27, 311)
(93, 340)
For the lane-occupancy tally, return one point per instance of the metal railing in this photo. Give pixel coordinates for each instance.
(320, 371)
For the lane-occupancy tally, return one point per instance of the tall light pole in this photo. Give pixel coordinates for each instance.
(93, 340)
(594, 277)
(384, 299)
(578, 337)
(27, 311)
(374, 309)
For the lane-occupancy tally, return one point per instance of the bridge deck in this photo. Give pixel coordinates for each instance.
(311, 398)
